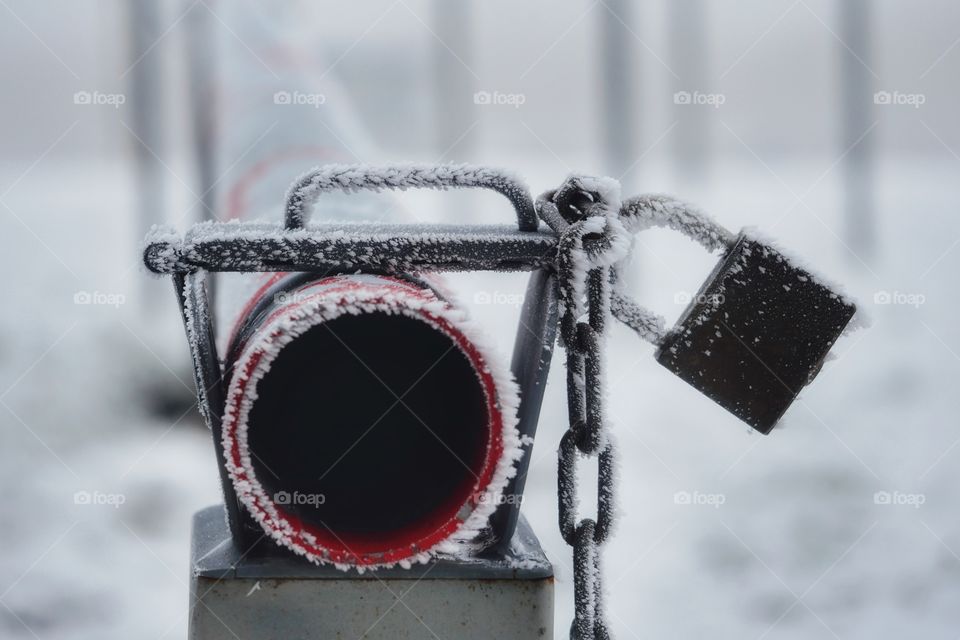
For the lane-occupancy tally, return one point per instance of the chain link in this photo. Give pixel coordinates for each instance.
(584, 293)
(586, 437)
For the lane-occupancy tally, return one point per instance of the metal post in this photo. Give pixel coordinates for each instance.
(687, 57)
(857, 101)
(146, 112)
(509, 597)
(202, 54)
(453, 89)
(618, 73)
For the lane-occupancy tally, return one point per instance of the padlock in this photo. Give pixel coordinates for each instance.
(757, 331)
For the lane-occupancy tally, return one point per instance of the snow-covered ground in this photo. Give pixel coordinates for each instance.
(99, 478)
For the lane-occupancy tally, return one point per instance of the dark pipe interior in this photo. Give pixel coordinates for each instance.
(327, 422)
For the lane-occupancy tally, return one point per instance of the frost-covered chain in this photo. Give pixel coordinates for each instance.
(585, 214)
(595, 230)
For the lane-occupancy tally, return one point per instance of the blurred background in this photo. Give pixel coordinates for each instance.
(829, 124)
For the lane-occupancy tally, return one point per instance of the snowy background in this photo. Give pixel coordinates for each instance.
(103, 457)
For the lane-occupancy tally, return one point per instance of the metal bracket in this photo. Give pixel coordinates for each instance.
(348, 248)
(331, 249)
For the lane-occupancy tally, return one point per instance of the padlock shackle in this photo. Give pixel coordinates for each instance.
(636, 214)
(660, 210)
(348, 178)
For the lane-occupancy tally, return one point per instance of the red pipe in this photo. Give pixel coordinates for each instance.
(341, 490)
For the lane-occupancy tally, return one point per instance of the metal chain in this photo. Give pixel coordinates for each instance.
(586, 225)
(594, 229)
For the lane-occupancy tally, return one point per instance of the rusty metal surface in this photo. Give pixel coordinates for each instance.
(509, 596)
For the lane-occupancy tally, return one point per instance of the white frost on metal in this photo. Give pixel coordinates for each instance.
(661, 210)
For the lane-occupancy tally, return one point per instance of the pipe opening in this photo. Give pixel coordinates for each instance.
(334, 447)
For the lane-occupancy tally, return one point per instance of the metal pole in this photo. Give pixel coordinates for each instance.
(147, 122)
(146, 113)
(618, 73)
(201, 53)
(453, 92)
(688, 58)
(857, 96)
(454, 83)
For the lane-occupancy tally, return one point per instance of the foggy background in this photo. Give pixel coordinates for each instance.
(830, 125)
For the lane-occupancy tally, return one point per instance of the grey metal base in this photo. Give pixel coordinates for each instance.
(282, 597)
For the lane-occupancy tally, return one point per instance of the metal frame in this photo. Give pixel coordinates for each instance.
(331, 249)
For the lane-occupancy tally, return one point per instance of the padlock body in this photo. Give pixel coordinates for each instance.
(756, 333)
